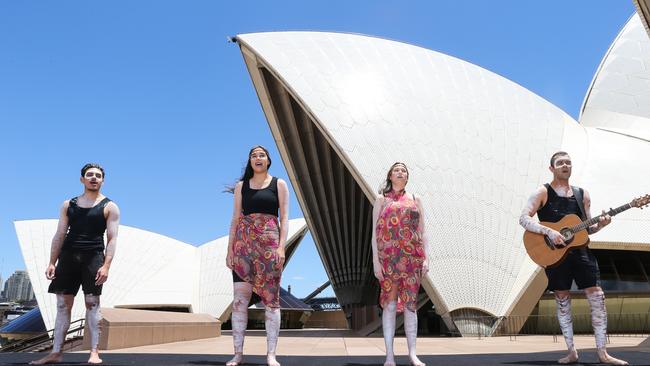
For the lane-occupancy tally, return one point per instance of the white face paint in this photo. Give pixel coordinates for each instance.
(561, 168)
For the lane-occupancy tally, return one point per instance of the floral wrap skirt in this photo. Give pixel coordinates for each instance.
(256, 256)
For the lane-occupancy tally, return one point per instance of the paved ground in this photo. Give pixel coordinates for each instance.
(339, 348)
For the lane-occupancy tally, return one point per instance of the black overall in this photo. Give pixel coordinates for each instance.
(580, 264)
(82, 253)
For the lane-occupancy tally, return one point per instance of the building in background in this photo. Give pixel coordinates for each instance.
(344, 107)
(18, 288)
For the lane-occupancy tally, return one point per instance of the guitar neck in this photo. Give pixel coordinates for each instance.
(612, 212)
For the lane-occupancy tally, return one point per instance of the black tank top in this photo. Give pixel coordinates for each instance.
(263, 200)
(557, 207)
(87, 226)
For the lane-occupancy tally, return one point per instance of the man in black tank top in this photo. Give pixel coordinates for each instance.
(551, 202)
(77, 258)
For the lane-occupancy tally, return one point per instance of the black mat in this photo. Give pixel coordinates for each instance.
(510, 359)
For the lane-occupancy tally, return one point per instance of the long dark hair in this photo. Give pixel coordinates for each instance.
(248, 170)
(387, 185)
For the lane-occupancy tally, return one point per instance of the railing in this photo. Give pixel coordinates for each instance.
(76, 328)
(630, 324)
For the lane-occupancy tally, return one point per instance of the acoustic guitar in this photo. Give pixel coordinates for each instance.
(541, 249)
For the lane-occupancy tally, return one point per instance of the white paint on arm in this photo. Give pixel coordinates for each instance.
(534, 203)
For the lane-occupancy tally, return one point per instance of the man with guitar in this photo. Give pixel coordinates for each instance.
(551, 202)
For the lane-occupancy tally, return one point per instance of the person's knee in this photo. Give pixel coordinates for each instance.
(61, 306)
(239, 304)
(391, 306)
(64, 303)
(562, 295)
(593, 289)
(241, 300)
(392, 296)
(92, 302)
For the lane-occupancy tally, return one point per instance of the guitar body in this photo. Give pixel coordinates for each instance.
(542, 251)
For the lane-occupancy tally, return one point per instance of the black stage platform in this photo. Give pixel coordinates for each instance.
(515, 359)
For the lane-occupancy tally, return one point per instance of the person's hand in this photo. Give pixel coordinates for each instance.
(556, 238)
(377, 269)
(604, 220)
(230, 259)
(102, 275)
(425, 267)
(281, 256)
(50, 271)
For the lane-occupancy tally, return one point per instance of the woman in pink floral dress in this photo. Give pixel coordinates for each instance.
(399, 257)
(256, 249)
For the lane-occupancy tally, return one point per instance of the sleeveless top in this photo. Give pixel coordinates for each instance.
(86, 226)
(399, 220)
(263, 200)
(557, 207)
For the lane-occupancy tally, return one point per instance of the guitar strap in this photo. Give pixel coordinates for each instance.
(578, 193)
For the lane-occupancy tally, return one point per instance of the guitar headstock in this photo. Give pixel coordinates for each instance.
(641, 202)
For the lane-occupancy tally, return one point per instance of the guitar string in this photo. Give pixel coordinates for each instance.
(612, 212)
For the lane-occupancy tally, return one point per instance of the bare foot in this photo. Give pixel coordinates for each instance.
(604, 357)
(53, 357)
(572, 357)
(94, 358)
(239, 357)
(390, 362)
(271, 361)
(415, 361)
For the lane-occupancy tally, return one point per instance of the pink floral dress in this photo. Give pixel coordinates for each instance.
(256, 255)
(400, 249)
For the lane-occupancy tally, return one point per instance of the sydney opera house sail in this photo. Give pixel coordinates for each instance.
(149, 270)
(344, 107)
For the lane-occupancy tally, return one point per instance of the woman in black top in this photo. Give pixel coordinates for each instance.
(256, 249)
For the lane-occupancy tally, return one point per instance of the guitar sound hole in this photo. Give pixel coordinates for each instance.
(568, 235)
(549, 243)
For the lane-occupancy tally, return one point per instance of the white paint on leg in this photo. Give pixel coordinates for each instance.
(93, 317)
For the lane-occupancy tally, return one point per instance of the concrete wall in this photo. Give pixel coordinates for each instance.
(122, 328)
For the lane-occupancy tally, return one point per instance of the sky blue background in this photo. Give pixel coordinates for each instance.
(154, 92)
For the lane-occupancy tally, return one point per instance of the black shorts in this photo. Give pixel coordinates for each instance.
(579, 265)
(76, 268)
